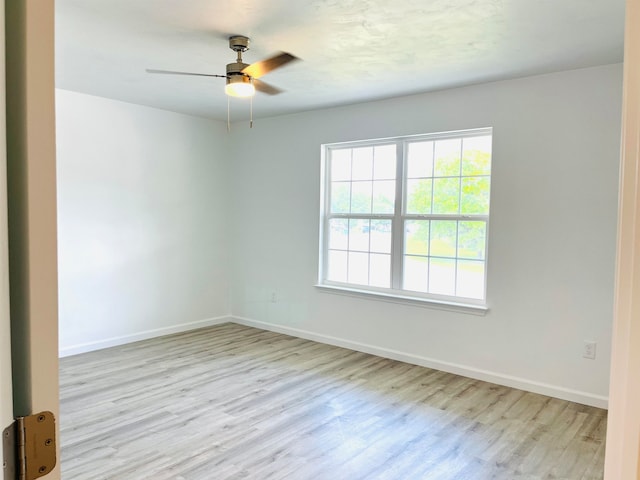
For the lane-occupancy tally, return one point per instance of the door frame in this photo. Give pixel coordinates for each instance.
(32, 229)
(623, 430)
(6, 391)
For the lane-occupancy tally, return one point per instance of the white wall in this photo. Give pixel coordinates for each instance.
(142, 211)
(552, 235)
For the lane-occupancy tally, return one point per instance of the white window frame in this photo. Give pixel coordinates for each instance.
(398, 218)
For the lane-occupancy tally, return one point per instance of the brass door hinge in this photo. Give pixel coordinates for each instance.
(29, 446)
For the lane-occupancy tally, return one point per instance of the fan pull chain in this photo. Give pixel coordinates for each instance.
(228, 114)
(251, 113)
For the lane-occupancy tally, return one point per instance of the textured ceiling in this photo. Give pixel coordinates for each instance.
(352, 50)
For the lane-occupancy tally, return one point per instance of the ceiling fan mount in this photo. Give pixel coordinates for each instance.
(239, 43)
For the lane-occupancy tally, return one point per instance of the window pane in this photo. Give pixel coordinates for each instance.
(359, 235)
(384, 196)
(361, 197)
(444, 199)
(358, 268)
(471, 239)
(340, 197)
(416, 237)
(341, 164)
(446, 195)
(380, 270)
(442, 276)
(384, 166)
(447, 157)
(380, 236)
(475, 195)
(443, 238)
(362, 166)
(476, 155)
(419, 196)
(416, 273)
(470, 281)
(338, 233)
(337, 266)
(420, 160)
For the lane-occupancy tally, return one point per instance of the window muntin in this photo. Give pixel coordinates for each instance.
(409, 215)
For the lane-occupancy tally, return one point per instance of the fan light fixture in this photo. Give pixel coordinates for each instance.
(239, 86)
(242, 79)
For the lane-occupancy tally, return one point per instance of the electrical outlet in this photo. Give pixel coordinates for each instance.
(589, 350)
(274, 297)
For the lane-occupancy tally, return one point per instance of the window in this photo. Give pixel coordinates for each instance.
(408, 216)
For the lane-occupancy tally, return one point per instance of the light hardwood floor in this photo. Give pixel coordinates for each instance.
(233, 402)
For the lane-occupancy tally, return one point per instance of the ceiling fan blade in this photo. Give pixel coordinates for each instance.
(265, 87)
(171, 72)
(258, 69)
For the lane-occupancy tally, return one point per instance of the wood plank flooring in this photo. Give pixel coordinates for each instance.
(233, 402)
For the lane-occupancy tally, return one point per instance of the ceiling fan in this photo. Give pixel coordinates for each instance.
(242, 78)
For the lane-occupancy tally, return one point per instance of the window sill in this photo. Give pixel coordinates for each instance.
(467, 308)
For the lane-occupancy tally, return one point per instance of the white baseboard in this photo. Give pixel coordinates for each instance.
(136, 337)
(577, 396)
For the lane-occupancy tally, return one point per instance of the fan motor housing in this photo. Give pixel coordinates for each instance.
(236, 68)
